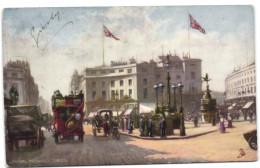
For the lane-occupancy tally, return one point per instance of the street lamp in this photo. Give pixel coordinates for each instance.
(116, 99)
(174, 87)
(156, 87)
(161, 85)
(168, 78)
(182, 127)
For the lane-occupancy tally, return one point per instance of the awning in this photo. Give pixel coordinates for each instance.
(128, 112)
(145, 108)
(230, 107)
(234, 104)
(115, 113)
(248, 104)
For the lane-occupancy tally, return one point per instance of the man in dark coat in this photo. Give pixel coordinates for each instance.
(163, 127)
(142, 126)
(106, 128)
(150, 127)
(130, 125)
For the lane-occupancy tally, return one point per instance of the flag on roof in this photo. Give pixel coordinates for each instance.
(109, 34)
(195, 25)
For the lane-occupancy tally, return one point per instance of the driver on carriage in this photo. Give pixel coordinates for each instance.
(115, 125)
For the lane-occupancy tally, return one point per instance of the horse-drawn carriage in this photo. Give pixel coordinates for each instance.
(251, 138)
(99, 118)
(24, 123)
(68, 116)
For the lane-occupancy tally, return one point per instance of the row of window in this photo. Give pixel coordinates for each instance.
(248, 90)
(113, 93)
(121, 83)
(242, 81)
(14, 75)
(243, 74)
(103, 72)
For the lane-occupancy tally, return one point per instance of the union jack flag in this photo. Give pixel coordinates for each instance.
(108, 34)
(195, 25)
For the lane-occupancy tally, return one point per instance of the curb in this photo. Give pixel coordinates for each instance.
(179, 137)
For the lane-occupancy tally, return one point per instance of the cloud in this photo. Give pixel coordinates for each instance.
(141, 32)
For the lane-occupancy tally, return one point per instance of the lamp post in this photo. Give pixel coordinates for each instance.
(168, 78)
(182, 127)
(174, 87)
(161, 85)
(116, 99)
(156, 87)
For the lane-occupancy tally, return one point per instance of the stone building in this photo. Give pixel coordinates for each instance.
(240, 91)
(17, 74)
(136, 80)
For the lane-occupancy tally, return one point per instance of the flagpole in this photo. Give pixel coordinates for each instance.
(189, 32)
(103, 46)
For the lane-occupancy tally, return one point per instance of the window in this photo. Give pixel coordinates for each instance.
(121, 83)
(129, 71)
(145, 81)
(14, 75)
(121, 94)
(130, 82)
(112, 71)
(93, 95)
(121, 70)
(5, 74)
(103, 84)
(103, 72)
(112, 94)
(251, 79)
(112, 83)
(192, 75)
(93, 84)
(145, 93)
(144, 69)
(93, 72)
(104, 95)
(130, 93)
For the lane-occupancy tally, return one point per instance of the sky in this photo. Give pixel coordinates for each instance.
(72, 38)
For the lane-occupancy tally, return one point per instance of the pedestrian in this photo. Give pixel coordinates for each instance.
(115, 126)
(195, 121)
(127, 120)
(229, 121)
(251, 116)
(130, 125)
(106, 128)
(150, 127)
(125, 124)
(163, 127)
(122, 123)
(221, 124)
(141, 126)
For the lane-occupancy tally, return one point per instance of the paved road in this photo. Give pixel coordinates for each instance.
(128, 150)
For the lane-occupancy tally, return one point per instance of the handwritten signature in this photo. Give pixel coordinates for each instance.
(36, 34)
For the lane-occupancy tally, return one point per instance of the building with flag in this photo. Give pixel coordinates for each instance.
(135, 81)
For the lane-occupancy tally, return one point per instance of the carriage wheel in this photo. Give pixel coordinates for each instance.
(118, 136)
(56, 137)
(94, 129)
(253, 142)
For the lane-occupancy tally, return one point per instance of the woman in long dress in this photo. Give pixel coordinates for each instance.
(221, 124)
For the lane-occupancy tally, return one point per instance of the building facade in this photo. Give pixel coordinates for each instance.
(241, 83)
(17, 74)
(136, 80)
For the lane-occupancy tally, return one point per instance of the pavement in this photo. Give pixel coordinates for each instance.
(191, 132)
(100, 150)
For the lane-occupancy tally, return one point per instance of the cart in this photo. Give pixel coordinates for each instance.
(251, 138)
(24, 123)
(99, 118)
(68, 117)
